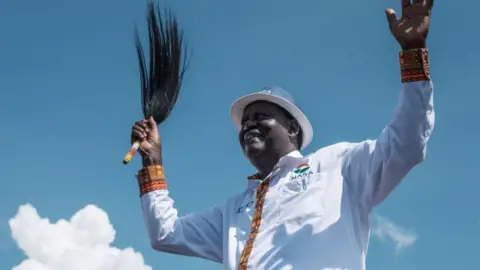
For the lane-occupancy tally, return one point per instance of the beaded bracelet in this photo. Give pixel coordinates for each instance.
(151, 178)
(414, 65)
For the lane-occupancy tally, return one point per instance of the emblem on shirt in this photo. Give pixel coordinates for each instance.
(242, 208)
(302, 168)
(301, 171)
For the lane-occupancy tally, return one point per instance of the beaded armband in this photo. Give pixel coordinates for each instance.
(414, 65)
(151, 178)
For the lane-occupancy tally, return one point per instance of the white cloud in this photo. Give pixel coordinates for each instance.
(385, 229)
(81, 243)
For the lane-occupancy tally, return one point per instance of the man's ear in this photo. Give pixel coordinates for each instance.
(293, 128)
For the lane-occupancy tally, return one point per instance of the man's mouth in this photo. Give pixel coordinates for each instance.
(251, 136)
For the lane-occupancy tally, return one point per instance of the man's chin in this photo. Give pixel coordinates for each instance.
(254, 150)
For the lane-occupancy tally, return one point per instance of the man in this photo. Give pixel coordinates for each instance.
(299, 212)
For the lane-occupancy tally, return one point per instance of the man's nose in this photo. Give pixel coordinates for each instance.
(249, 124)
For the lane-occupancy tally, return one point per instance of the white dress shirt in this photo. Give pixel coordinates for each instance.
(316, 207)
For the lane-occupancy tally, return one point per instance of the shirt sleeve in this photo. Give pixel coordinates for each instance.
(196, 234)
(373, 168)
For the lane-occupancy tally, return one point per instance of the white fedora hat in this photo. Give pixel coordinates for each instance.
(278, 96)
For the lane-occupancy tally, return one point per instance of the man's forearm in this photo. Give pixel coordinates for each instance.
(198, 235)
(408, 133)
(154, 157)
(386, 161)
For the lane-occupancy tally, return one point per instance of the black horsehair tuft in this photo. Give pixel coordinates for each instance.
(161, 82)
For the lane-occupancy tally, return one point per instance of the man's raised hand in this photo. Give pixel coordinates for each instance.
(147, 134)
(411, 29)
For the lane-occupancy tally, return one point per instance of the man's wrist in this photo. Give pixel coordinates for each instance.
(151, 161)
(151, 178)
(420, 45)
(414, 65)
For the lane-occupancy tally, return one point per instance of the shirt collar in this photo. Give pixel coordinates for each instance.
(291, 158)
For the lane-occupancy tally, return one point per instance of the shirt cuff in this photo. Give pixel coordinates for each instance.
(151, 178)
(414, 65)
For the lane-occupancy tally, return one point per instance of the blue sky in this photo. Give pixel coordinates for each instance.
(70, 92)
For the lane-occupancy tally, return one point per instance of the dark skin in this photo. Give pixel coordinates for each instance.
(276, 133)
(411, 29)
(267, 134)
(150, 148)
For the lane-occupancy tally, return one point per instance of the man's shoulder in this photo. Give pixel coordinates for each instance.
(337, 149)
(334, 155)
(340, 151)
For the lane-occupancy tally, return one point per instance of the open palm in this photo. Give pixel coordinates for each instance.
(411, 29)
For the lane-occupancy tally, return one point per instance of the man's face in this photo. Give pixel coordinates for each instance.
(265, 127)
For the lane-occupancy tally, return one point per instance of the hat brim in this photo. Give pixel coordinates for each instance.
(239, 105)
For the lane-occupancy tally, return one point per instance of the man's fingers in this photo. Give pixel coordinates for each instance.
(391, 16)
(138, 135)
(141, 124)
(152, 124)
(406, 3)
(139, 129)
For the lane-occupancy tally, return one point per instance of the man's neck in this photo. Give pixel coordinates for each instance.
(269, 163)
